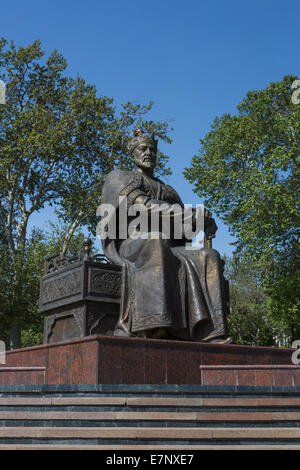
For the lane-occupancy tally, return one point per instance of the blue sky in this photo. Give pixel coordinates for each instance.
(196, 60)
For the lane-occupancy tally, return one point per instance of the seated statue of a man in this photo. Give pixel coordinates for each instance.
(168, 291)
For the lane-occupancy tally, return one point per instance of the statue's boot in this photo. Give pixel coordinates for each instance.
(219, 340)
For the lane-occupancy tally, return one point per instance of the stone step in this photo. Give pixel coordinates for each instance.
(148, 417)
(150, 401)
(148, 447)
(154, 433)
(213, 416)
(149, 391)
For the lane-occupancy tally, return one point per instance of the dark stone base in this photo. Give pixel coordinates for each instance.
(114, 360)
(80, 319)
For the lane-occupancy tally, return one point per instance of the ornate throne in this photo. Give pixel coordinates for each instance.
(79, 296)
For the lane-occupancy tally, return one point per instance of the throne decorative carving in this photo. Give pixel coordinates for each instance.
(79, 296)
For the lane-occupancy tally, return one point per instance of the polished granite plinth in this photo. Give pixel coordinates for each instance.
(113, 360)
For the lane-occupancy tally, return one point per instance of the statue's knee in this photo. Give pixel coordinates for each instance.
(209, 253)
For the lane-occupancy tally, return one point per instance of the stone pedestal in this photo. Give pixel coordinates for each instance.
(113, 360)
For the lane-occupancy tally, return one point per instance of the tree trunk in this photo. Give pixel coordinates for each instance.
(15, 336)
(15, 328)
(70, 233)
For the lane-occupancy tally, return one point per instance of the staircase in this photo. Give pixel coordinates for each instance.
(148, 417)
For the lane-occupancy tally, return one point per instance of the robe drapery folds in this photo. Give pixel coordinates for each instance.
(164, 285)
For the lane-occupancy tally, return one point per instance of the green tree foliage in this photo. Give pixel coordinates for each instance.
(58, 141)
(248, 320)
(39, 244)
(281, 282)
(247, 171)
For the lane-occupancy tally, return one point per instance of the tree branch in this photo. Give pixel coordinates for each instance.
(8, 230)
(71, 231)
(22, 226)
(40, 190)
(9, 215)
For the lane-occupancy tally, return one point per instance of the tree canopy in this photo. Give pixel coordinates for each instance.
(249, 322)
(58, 140)
(247, 171)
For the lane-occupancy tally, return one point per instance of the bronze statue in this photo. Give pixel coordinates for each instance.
(168, 291)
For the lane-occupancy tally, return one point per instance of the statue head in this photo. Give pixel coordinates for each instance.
(143, 149)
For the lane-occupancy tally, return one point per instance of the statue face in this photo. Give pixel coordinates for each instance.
(144, 155)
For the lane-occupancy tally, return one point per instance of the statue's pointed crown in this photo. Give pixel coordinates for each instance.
(140, 137)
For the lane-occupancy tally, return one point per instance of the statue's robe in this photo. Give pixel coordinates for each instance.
(165, 286)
